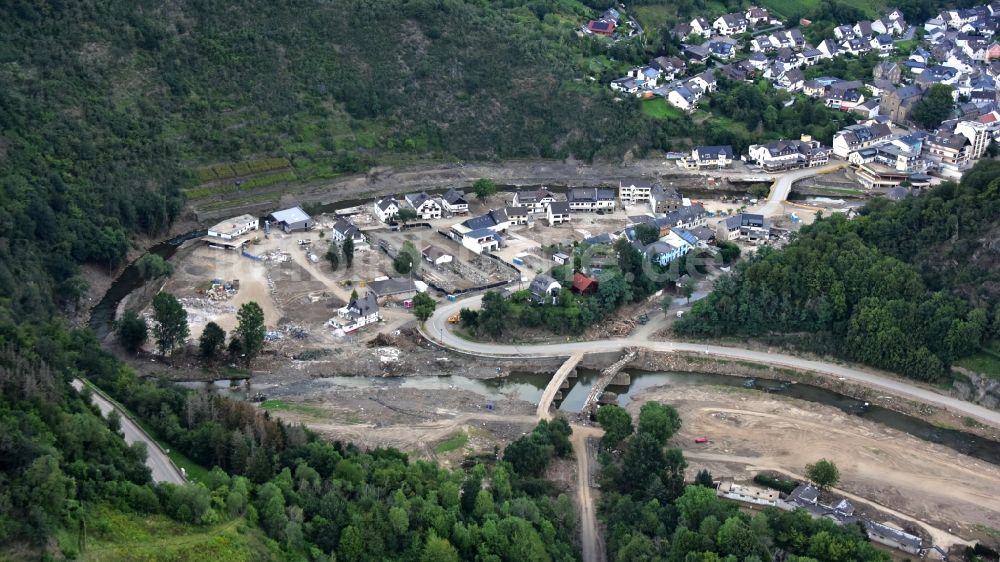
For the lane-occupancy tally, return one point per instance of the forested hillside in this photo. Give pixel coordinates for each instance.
(909, 286)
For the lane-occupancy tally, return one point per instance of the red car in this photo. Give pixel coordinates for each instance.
(701, 439)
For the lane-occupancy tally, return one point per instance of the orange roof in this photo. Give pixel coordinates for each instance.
(583, 283)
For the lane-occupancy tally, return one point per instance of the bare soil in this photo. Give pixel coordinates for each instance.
(929, 482)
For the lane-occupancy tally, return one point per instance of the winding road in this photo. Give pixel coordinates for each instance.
(438, 330)
(162, 468)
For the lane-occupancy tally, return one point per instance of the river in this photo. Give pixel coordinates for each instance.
(528, 387)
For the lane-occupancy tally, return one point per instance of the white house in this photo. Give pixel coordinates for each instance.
(424, 205)
(701, 26)
(708, 157)
(436, 255)
(683, 98)
(730, 24)
(591, 199)
(536, 201)
(543, 288)
(386, 208)
(361, 311)
(454, 202)
(230, 229)
(631, 194)
(344, 229)
(856, 137)
(557, 212)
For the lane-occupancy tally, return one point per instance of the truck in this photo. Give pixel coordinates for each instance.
(454, 318)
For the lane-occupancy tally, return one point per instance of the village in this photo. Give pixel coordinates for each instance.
(954, 52)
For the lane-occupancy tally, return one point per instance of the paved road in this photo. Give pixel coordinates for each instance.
(783, 186)
(437, 329)
(159, 463)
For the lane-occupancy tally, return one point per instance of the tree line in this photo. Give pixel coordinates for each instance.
(909, 286)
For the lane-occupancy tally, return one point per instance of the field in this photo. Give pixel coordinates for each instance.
(984, 363)
(785, 8)
(658, 108)
(113, 535)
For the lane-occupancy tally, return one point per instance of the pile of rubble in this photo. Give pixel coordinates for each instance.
(222, 290)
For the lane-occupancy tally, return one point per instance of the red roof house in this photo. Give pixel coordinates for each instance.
(583, 284)
(601, 27)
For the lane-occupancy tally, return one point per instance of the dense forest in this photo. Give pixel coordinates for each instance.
(909, 286)
(651, 514)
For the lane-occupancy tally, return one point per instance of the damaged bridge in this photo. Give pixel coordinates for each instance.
(607, 376)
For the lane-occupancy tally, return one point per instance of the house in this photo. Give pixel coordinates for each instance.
(844, 94)
(811, 56)
(759, 61)
(626, 85)
(361, 311)
(686, 218)
(701, 26)
(516, 215)
(829, 48)
(744, 226)
(292, 220)
(863, 29)
(544, 288)
(791, 80)
(883, 45)
(721, 49)
(683, 98)
(748, 494)
(231, 229)
(868, 109)
(481, 240)
(696, 53)
(454, 202)
(843, 32)
(436, 255)
(631, 194)
(424, 205)
(664, 200)
(583, 284)
(898, 103)
(709, 157)
(668, 66)
(668, 248)
(755, 15)
(788, 154)
(681, 31)
(601, 27)
(887, 70)
(937, 74)
(590, 199)
(396, 287)
(495, 220)
(706, 81)
(344, 229)
(856, 137)
(950, 151)
(730, 24)
(535, 201)
(561, 258)
(557, 212)
(386, 209)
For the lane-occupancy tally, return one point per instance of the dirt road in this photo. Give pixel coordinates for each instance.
(590, 537)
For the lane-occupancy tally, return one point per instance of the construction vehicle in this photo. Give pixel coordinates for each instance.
(454, 318)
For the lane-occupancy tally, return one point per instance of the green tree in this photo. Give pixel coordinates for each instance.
(407, 258)
(616, 423)
(760, 190)
(250, 329)
(171, 327)
(728, 250)
(132, 331)
(352, 545)
(438, 549)
(659, 421)
(704, 478)
(484, 188)
(936, 106)
(348, 249)
(823, 473)
(406, 215)
(687, 289)
(665, 303)
(151, 266)
(423, 306)
(647, 233)
(333, 255)
(212, 340)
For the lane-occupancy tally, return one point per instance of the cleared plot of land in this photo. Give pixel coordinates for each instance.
(929, 482)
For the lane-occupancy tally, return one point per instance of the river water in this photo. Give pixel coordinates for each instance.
(528, 387)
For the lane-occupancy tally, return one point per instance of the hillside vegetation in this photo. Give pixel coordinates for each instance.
(910, 286)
